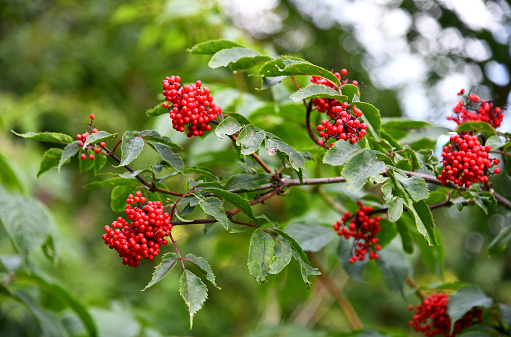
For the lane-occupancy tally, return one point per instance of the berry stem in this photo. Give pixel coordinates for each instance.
(256, 157)
(418, 292)
(177, 250)
(501, 152)
(308, 125)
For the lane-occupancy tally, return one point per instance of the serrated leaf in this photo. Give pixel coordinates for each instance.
(155, 137)
(423, 220)
(228, 127)
(193, 291)
(213, 46)
(119, 195)
(360, 167)
(249, 139)
(268, 82)
(157, 111)
(69, 151)
(111, 182)
(432, 256)
(131, 148)
(204, 267)
(242, 120)
(279, 262)
(98, 137)
(201, 170)
(168, 262)
(234, 199)
(340, 153)
(350, 91)
(464, 300)
(260, 254)
(371, 115)
(168, 155)
(237, 58)
(495, 142)
(288, 65)
(317, 91)
(305, 268)
(395, 211)
(415, 187)
(295, 158)
(291, 241)
(395, 268)
(213, 206)
(486, 201)
(246, 181)
(344, 254)
(310, 237)
(499, 243)
(99, 162)
(406, 235)
(485, 128)
(51, 137)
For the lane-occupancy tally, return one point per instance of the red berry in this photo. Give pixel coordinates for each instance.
(83, 156)
(165, 105)
(94, 130)
(92, 116)
(344, 72)
(97, 150)
(354, 82)
(496, 171)
(91, 156)
(102, 144)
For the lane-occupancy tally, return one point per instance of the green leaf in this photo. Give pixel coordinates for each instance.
(193, 291)
(432, 256)
(9, 174)
(360, 167)
(234, 199)
(112, 182)
(86, 164)
(204, 171)
(305, 268)
(228, 127)
(157, 111)
(395, 211)
(406, 235)
(288, 65)
(246, 181)
(317, 91)
(423, 220)
(486, 201)
(495, 142)
(269, 82)
(204, 267)
(119, 196)
(168, 262)
(310, 237)
(168, 155)
(279, 262)
(237, 58)
(26, 221)
(464, 300)
(292, 242)
(371, 115)
(242, 120)
(415, 187)
(340, 153)
(295, 158)
(98, 137)
(344, 254)
(99, 162)
(131, 148)
(248, 62)
(350, 91)
(486, 129)
(499, 243)
(395, 268)
(51, 137)
(155, 137)
(249, 139)
(213, 206)
(69, 151)
(213, 46)
(260, 254)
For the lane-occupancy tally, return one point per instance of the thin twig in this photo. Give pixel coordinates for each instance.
(256, 157)
(418, 292)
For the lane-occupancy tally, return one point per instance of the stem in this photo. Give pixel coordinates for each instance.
(177, 250)
(412, 285)
(501, 152)
(330, 201)
(256, 157)
(308, 125)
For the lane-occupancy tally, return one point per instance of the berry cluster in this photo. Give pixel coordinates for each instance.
(431, 317)
(325, 104)
(82, 138)
(473, 109)
(466, 161)
(363, 229)
(191, 106)
(142, 237)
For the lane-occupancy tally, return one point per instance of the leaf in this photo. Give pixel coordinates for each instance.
(112, 182)
(395, 268)
(234, 199)
(155, 137)
(432, 256)
(99, 162)
(231, 56)
(213, 206)
(340, 153)
(228, 126)
(344, 254)
(213, 46)
(464, 300)
(248, 62)
(269, 82)
(499, 243)
(292, 242)
(26, 221)
(350, 91)
(69, 151)
(249, 139)
(260, 254)
(246, 181)
(9, 175)
(395, 211)
(168, 262)
(360, 167)
(423, 220)
(98, 137)
(415, 187)
(486, 129)
(495, 142)
(295, 158)
(204, 267)
(157, 111)
(168, 155)
(131, 148)
(51, 137)
(288, 65)
(310, 237)
(317, 91)
(86, 164)
(371, 115)
(305, 268)
(119, 195)
(193, 291)
(486, 201)
(279, 262)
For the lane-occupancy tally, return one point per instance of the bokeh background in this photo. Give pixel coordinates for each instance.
(62, 60)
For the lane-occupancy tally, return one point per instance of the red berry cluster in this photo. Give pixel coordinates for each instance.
(363, 229)
(473, 109)
(142, 237)
(431, 317)
(342, 125)
(466, 161)
(82, 138)
(325, 104)
(191, 106)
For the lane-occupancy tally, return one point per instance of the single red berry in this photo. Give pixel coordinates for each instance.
(165, 105)
(344, 72)
(83, 156)
(92, 116)
(91, 156)
(97, 150)
(94, 130)
(496, 171)
(354, 82)
(78, 137)
(102, 144)
(321, 142)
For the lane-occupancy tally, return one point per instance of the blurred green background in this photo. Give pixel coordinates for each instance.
(62, 60)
